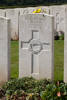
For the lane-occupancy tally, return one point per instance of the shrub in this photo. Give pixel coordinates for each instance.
(55, 92)
(29, 85)
(29, 88)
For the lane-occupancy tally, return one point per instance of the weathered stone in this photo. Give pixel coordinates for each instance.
(4, 49)
(36, 52)
(13, 15)
(58, 12)
(26, 10)
(2, 13)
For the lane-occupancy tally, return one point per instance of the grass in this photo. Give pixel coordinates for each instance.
(58, 59)
(14, 59)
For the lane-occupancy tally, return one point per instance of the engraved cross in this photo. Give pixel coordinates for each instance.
(35, 46)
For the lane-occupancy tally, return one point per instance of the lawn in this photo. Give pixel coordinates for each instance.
(14, 59)
(58, 59)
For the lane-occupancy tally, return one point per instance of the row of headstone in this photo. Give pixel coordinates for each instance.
(14, 14)
(36, 46)
(36, 50)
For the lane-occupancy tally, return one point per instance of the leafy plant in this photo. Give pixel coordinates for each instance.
(29, 88)
(55, 92)
(2, 92)
(27, 84)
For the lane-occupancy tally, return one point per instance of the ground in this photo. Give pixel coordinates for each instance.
(58, 59)
(14, 59)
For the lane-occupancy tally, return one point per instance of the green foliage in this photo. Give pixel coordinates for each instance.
(29, 85)
(2, 92)
(55, 92)
(33, 89)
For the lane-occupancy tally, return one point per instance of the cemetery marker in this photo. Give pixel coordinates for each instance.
(36, 52)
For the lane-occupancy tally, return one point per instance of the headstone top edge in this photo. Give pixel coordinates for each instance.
(1, 17)
(44, 14)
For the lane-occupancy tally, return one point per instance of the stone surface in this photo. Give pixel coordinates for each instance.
(13, 15)
(26, 10)
(4, 49)
(46, 9)
(2, 13)
(29, 10)
(65, 48)
(36, 52)
(58, 12)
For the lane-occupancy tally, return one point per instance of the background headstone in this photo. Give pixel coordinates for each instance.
(2, 13)
(4, 49)
(36, 52)
(58, 12)
(13, 15)
(65, 48)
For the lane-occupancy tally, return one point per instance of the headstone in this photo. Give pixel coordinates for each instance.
(65, 48)
(58, 12)
(4, 49)
(2, 13)
(36, 52)
(13, 15)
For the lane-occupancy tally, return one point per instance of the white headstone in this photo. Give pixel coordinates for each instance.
(2, 13)
(36, 52)
(65, 48)
(4, 49)
(58, 12)
(13, 15)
